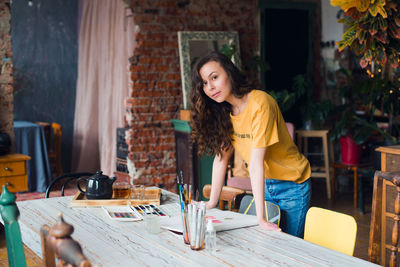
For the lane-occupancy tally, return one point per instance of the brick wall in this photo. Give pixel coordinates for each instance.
(6, 79)
(155, 93)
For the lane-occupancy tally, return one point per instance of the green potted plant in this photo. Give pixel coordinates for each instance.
(373, 31)
(352, 131)
(373, 35)
(314, 113)
(285, 99)
(355, 123)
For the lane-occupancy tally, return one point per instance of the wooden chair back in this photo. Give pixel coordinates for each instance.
(291, 129)
(47, 132)
(57, 137)
(64, 180)
(331, 229)
(58, 244)
(56, 241)
(238, 174)
(10, 213)
(229, 195)
(53, 136)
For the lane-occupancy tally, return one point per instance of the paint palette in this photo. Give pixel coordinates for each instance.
(122, 213)
(148, 209)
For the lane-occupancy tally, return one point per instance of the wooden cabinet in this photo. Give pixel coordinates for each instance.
(186, 154)
(383, 207)
(13, 172)
(196, 169)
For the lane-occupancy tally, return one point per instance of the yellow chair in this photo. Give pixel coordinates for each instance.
(331, 229)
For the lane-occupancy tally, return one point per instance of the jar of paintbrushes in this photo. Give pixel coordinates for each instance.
(196, 218)
(193, 217)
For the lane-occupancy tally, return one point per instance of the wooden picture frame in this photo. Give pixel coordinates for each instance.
(193, 45)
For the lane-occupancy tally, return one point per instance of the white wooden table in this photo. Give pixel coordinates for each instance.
(113, 243)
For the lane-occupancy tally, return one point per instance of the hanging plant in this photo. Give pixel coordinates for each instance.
(373, 31)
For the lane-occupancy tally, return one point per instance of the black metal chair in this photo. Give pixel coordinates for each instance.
(66, 178)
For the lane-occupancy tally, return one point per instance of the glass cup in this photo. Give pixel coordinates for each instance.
(121, 190)
(195, 219)
(152, 223)
(185, 230)
(197, 241)
(137, 192)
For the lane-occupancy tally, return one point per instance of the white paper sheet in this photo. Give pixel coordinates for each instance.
(223, 220)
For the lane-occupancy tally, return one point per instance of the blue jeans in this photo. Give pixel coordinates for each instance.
(293, 199)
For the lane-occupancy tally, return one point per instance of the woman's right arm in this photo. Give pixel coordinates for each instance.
(218, 177)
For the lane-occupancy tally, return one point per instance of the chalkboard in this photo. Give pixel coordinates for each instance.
(45, 56)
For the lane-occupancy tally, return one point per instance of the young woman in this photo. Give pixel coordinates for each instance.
(227, 115)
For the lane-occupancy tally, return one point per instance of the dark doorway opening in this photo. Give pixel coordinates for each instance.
(286, 46)
(287, 32)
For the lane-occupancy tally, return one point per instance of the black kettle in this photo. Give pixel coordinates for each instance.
(98, 186)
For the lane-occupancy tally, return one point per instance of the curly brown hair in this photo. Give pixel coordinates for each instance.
(211, 123)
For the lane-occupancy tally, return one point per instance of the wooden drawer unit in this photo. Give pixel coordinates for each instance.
(383, 208)
(390, 158)
(392, 163)
(12, 168)
(13, 172)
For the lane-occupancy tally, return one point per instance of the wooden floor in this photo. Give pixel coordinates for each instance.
(32, 260)
(343, 203)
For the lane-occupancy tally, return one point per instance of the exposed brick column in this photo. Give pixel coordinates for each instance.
(6, 70)
(156, 94)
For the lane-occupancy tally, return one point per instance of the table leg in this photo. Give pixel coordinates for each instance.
(306, 146)
(361, 196)
(355, 173)
(375, 231)
(333, 181)
(300, 141)
(326, 166)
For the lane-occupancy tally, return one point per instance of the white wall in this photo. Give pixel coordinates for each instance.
(331, 29)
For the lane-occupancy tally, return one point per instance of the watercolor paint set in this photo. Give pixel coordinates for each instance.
(137, 212)
(148, 209)
(122, 213)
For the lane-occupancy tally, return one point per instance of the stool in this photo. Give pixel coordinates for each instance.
(316, 172)
(355, 169)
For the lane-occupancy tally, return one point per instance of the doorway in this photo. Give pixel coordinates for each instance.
(287, 47)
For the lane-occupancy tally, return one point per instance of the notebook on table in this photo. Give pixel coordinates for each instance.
(223, 220)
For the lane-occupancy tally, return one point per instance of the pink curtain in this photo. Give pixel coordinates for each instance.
(106, 41)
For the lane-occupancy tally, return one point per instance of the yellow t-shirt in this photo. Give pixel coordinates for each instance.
(261, 125)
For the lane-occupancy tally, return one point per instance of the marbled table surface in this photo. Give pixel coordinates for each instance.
(113, 243)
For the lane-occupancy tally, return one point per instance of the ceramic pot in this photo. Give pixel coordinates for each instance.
(350, 150)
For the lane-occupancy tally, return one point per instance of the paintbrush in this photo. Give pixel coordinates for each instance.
(185, 193)
(181, 174)
(181, 197)
(190, 193)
